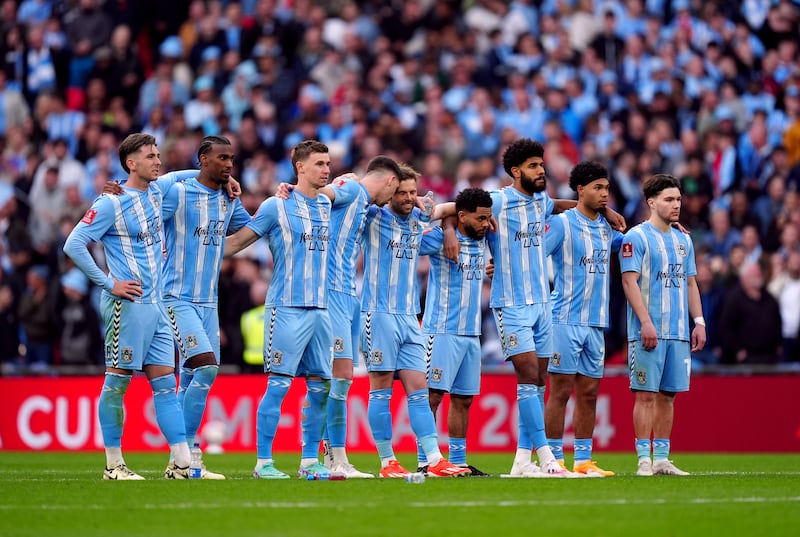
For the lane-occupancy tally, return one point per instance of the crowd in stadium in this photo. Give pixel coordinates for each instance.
(706, 90)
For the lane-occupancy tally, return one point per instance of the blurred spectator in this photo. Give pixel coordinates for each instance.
(14, 111)
(705, 91)
(38, 319)
(750, 322)
(785, 287)
(721, 237)
(46, 208)
(78, 323)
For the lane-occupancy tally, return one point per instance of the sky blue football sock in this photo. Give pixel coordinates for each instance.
(269, 412)
(109, 409)
(195, 397)
(337, 412)
(380, 421)
(168, 411)
(313, 416)
(530, 413)
(583, 450)
(183, 383)
(643, 448)
(660, 449)
(423, 424)
(457, 450)
(557, 447)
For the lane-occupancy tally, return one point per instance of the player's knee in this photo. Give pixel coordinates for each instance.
(206, 358)
(462, 402)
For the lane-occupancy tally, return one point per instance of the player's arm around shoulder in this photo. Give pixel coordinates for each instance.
(432, 241)
(259, 225)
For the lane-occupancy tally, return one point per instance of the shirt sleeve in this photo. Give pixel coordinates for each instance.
(239, 219)
(432, 241)
(631, 252)
(91, 228)
(165, 182)
(554, 234)
(616, 240)
(169, 203)
(346, 191)
(265, 218)
(549, 205)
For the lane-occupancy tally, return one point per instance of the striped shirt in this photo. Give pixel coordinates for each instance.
(130, 227)
(196, 221)
(297, 231)
(391, 250)
(348, 216)
(664, 262)
(453, 302)
(518, 248)
(581, 252)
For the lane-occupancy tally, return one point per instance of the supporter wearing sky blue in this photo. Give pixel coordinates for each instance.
(452, 318)
(658, 277)
(580, 242)
(391, 338)
(298, 336)
(351, 198)
(138, 335)
(198, 214)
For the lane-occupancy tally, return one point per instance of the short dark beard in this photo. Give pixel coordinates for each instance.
(530, 185)
(472, 233)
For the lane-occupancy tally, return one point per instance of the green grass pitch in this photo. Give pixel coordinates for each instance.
(44, 494)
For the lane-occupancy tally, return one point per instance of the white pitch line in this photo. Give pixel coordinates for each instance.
(420, 505)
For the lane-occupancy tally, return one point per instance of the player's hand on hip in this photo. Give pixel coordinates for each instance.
(649, 336)
(127, 289)
(283, 191)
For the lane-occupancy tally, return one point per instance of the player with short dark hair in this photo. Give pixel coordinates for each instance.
(451, 322)
(198, 214)
(138, 335)
(658, 277)
(391, 336)
(580, 242)
(298, 336)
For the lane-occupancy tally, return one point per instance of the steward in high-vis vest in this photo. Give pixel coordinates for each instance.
(252, 324)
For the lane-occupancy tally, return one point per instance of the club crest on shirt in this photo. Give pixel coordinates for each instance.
(323, 212)
(555, 360)
(436, 374)
(512, 341)
(538, 206)
(681, 250)
(88, 218)
(191, 341)
(338, 344)
(604, 234)
(627, 249)
(413, 225)
(223, 205)
(277, 357)
(156, 201)
(641, 376)
(127, 354)
(376, 357)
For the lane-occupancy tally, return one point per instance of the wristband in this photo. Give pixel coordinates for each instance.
(699, 321)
